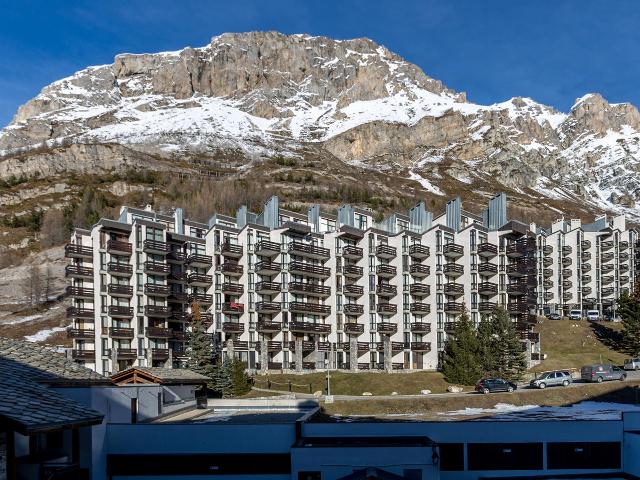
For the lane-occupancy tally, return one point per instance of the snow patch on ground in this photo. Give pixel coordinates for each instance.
(18, 320)
(426, 184)
(42, 335)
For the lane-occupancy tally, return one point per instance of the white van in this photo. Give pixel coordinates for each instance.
(575, 314)
(593, 315)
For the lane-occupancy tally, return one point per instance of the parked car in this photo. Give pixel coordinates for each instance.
(575, 314)
(632, 364)
(599, 373)
(593, 315)
(489, 385)
(554, 316)
(551, 379)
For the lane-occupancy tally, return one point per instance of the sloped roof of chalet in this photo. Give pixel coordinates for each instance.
(163, 376)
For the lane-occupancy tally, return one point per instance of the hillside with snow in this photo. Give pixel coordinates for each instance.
(259, 95)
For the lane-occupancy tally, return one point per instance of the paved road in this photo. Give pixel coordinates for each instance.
(524, 388)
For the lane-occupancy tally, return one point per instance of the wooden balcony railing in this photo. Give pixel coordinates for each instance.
(306, 307)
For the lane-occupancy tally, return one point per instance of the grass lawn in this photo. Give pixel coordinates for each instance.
(344, 383)
(572, 344)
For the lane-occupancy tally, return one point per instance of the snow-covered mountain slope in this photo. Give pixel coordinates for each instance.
(264, 94)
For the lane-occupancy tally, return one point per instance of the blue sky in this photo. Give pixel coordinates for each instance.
(552, 51)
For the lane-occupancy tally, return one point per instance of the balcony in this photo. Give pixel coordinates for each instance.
(200, 260)
(232, 327)
(547, 261)
(624, 268)
(177, 277)
(487, 269)
(84, 355)
(201, 298)
(353, 328)
(607, 256)
(120, 332)
(567, 296)
(567, 284)
(352, 252)
(585, 256)
(156, 290)
(123, 353)
(158, 353)
(624, 279)
(362, 347)
(159, 332)
(74, 250)
(271, 346)
(607, 279)
(547, 284)
(352, 309)
(623, 245)
(76, 271)
(309, 327)
(200, 280)
(606, 245)
(547, 272)
(420, 327)
(486, 307)
(156, 311)
(607, 291)
(305, 365)
(155, 246)
(449, 327)
(119, 247)
(567, 250)
(268, 307)
(306, 307)
(386, 251)
(386, 308)
(264, 288)
(386, 290)
(418, 270)
(519, 270)
(157, 268)
(231, 250)
(566, 261)
(265, 248)
(586, 290)
(487, 288)
(453, 307)
(584, 278)
(453, 250)
(352, 271)
(386, 271)
(548, 296)
(455, 289)
(180, 316)
(81, 333)
(623, 257)
(586, 267)
(352, 290)
(267, 326)
(79, 292)
(419, 290)
(487, 250)
(177, 296)
(311, 289)
(309, 270)
(547, 250)
(420, 346)
(119, 290)
(517, 307)
(453, 270)
(118, 311)
(386, 328)
(232, 308)
(120, 269)
(231, 288)
(309, 250)
(607, 267)
(174, 256)
(517, 289)
(180, 335)
(420, 308)
(418, 251)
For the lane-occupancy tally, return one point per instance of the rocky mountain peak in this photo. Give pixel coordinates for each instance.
(592, 112)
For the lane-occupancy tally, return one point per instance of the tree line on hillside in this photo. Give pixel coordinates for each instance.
(228, 377)
(493, 349)
(629, 312)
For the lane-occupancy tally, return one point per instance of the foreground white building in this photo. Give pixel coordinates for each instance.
(285, 290)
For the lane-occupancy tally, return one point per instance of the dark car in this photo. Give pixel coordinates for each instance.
(489, 385)
(600, 373)
(554, 316)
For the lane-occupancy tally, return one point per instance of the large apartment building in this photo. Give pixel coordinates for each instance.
(283, 290)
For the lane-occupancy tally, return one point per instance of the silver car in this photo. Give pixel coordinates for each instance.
(632, 364)
(551, 379)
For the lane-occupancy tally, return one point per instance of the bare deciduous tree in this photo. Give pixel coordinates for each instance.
(53, 229)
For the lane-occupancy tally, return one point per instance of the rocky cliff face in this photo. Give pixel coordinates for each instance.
(263, 94)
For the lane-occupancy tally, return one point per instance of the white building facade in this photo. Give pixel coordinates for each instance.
(297, 292)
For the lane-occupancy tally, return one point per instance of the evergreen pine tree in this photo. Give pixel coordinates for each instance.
(629, 311)
(223, 379)
(240, 381)
(486, 340)
(461, 354)
(200, 353)
(510, 363)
